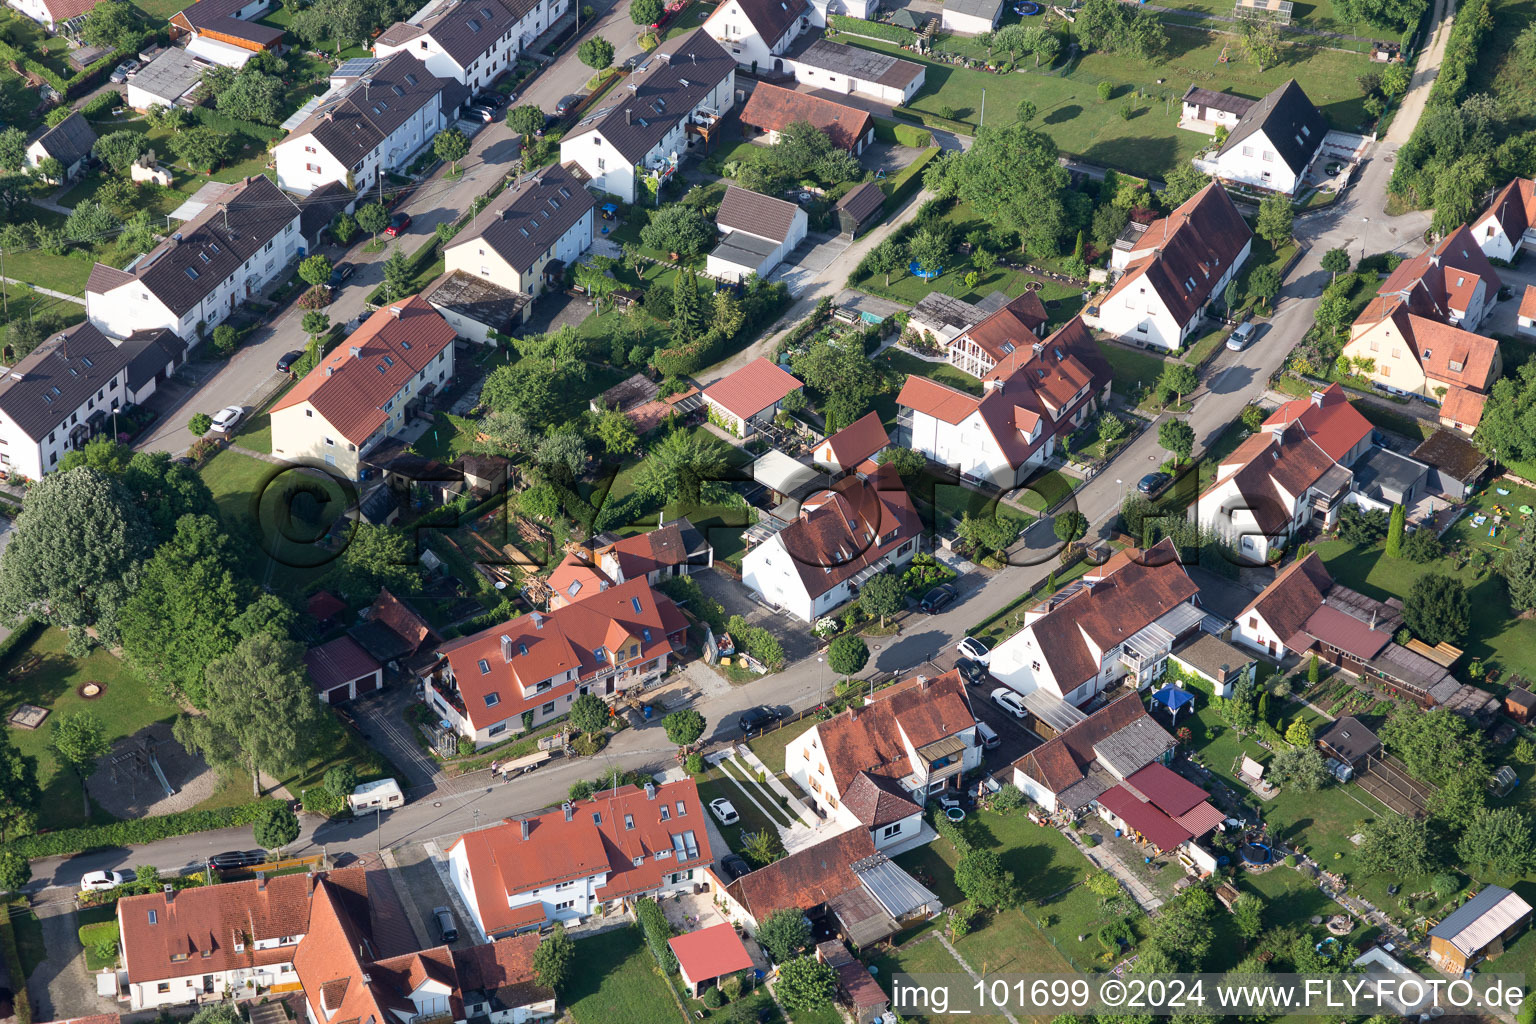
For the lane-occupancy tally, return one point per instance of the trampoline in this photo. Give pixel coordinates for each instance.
(1027, 9)
(1255, 853)
(955, 814)
(917, 271)
(1328, 948)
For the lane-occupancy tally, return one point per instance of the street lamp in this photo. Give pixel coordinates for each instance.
(1367, 222)
(114, 422)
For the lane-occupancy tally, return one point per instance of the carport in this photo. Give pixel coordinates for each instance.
(341, 670)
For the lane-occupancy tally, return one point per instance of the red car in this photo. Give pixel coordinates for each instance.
(397, 225)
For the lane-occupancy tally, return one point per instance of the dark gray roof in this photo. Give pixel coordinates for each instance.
(948, 311)
(773, 18)
(1348, 738)
(1289, 120)
(661, 92)
(317, 209)
(989, 9)
(757, 214)
(70, 140)
(351, 123)
(862, 201)
(1386, 475)
(219, 16)
(479, 300)
(743, 249)
(43, 389)
(169, 75)
(465, 29)
(1210, 655)
(865, 65)
(149, 352)
(526, 219)
(211, 246)
(1238, 105)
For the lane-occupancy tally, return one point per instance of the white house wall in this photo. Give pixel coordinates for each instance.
(485, 68)
(303, 165)
(1254, 161)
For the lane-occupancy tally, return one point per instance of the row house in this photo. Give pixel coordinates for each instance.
(240, 240)
(1040, 392)
(364, 391)
(472, 42)
(591, 856)
(503, 680)
(529, 235)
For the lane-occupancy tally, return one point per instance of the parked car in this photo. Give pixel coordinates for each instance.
(99, 881)
(490, 99)
(227, 418)
(734, 866)
(447, 929)
(990, 740)
(975, 649)
(564, 106)
(398, 223)
(724, 811)
(120, 74)
(973, 672)
(753, 719)
(1153, 483)
(1009, 702)
(937, 598)
(287, 359)
(1243, 336)
(482, 114)
(238, 859)
(340, 273)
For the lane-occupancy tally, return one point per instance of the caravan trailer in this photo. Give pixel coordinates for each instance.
(373, 796)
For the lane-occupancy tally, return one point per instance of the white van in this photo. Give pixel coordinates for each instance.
(989, 737)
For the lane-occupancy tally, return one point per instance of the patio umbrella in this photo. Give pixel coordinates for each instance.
(1173, 698)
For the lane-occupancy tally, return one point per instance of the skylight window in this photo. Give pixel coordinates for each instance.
(629, 823)
(645, 634)
(485, 667)
(474, 26)
(192, 273)
(522, 648)
(410, 79)
(397, 90)
(389, 360)
(205, 257)
(383, 369)
(492, 699)
(635, 603)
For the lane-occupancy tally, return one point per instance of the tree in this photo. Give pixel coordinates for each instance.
(397, 273)
(91, 222)
(617, 432)
(847, 655)
(784, 934)
(1362, 528)
(881, 596)
(262, 715)
(1261, 42)
(113, 23)
(1334, 312)
(805, 984)
(373, 218)
(984, 881)
(341, 780)
(275, 827)
(1517, 566)
(987, 533)
(1336, 262)
(678, 228)
(15, 871)
(1497, 844)
(1177, 437)
(375, 557)
(1248, 916)
(315, 323)
(553, 956)
(929, 251)
(19, 792)
(1264, 282)
(451, 145)
(1421, 547)
(13, 149)
(908, 463)
(1458, 193)
(1011, 177)
(679, 466)
(316, 270)
(646, 12)
(1103, 884)
(76, 552)
(118, 150)
(200, 423)
(1275, 219)
(762, 847)
(80, 741)
(589, 715)
(683, 726)
(596, 53)
(1299, 733)
(1300, 768)
(254, 96)
(1440, 748)
(343, 227)
(1070, 525)
(1182, 184)
(885, 258)
(1178, 379)
(1437, 609)
(1395, 524)
(1397, 845)
(203, 149)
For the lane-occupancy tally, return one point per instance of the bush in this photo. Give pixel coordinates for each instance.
(21, 1002)
(136, 832)
(713, 998)
(657, 931)
(319, 800)
(872, 29)
(1008, 798)
(200, 423)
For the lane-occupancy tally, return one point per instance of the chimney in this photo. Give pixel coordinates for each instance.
(261, 881)
(569, 809)
(995, 384)
(328, 370)
(650, 791)
(169, 891)
(629, 116)
(357, 351)
(538, 620)
(1221, 674)
(506, 647)
(1317, 399)
(394, 311)
(527, 827)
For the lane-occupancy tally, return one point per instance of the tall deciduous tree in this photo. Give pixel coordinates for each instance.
(80, 740)
(1497, 844)
(377, 556)
(553, 956)
(678, 228)
(1437, 609)
(1275, 220)
(451, 145)
(275, 827)
(1177, 437)
(885, 258)
(19, 792)
(596, 53)
(984, 880)
(1011, 177)
(881, 596)
(262, 712)
(1396, 845)
(680, 465)
(1336, 262)
(1517, 566)
(805, 984)
(373, 218)
(784, 934)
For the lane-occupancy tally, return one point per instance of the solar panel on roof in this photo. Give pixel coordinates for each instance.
(355, 67)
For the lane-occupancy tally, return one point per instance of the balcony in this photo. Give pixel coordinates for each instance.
(942, 759)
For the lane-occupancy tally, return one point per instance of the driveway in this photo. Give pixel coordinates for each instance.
(793, 634)
(379, 717)
(1502, 319)
(61, 987)
(803, 273)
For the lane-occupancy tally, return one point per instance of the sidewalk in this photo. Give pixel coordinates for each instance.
(1105, 858)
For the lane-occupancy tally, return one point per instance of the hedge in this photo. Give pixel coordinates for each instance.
(25, 632)
(234, 126)
(1472, 23)
(657, 931)
(872, 29)
(934, 120)
(133, 833)
(21, 1002)
(900, 186)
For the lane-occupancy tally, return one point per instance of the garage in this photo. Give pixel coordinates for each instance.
(341, 670)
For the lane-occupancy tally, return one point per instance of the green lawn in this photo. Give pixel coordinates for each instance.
(713, 785)
(1045, 489)
(31, 950)
(1149, 143)
(614, 979)
(1133, 371)
(52, 681)
(97, 926)
(904, 362)
(160, 10)
(769, 747)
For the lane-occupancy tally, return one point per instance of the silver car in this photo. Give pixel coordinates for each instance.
(1242, 337)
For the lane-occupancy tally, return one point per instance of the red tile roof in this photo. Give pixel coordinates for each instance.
(1272, 470)
(1200, 819)
(604, 834)
(849, 527)
(559, 646)
(1171, 792)
(856, 442)
(1009, 332)
(870, 738)
(1183, 255)
(404, 623)
(1463, 406)
(1295, 594)
(1434, 281)
(666, 547)
(502, 969)
(1159, 829)
(804, 879)
(877, 801)
(338, 662)
(349, 390)
(323, 605)
(1341, 630)
(774, 108)
(576, 578)
(751, 389)
(1327, 418)
(1528, 302)
(1514, 208)
(710, 952)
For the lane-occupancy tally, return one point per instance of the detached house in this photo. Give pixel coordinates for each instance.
(760, 233)
(843, 536)
(243, 235)
(772, 108)
(875, 766)
(991, 347)
(69, 142)
(53, 14)
(591, 856)
(225, 31)
(607, 642)
(853, 449)
(759, 32)
(1118, 622)
(1042, 390)
(1070, 771)
(528, 236)
(471, 41)
(675, 548)
(1508, 226)
(375, 118)
(1273, 142)
(750, 397)
(1296, 468)
(1170, 269)
(683, 88)
(363, 392)
(1416, 336)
